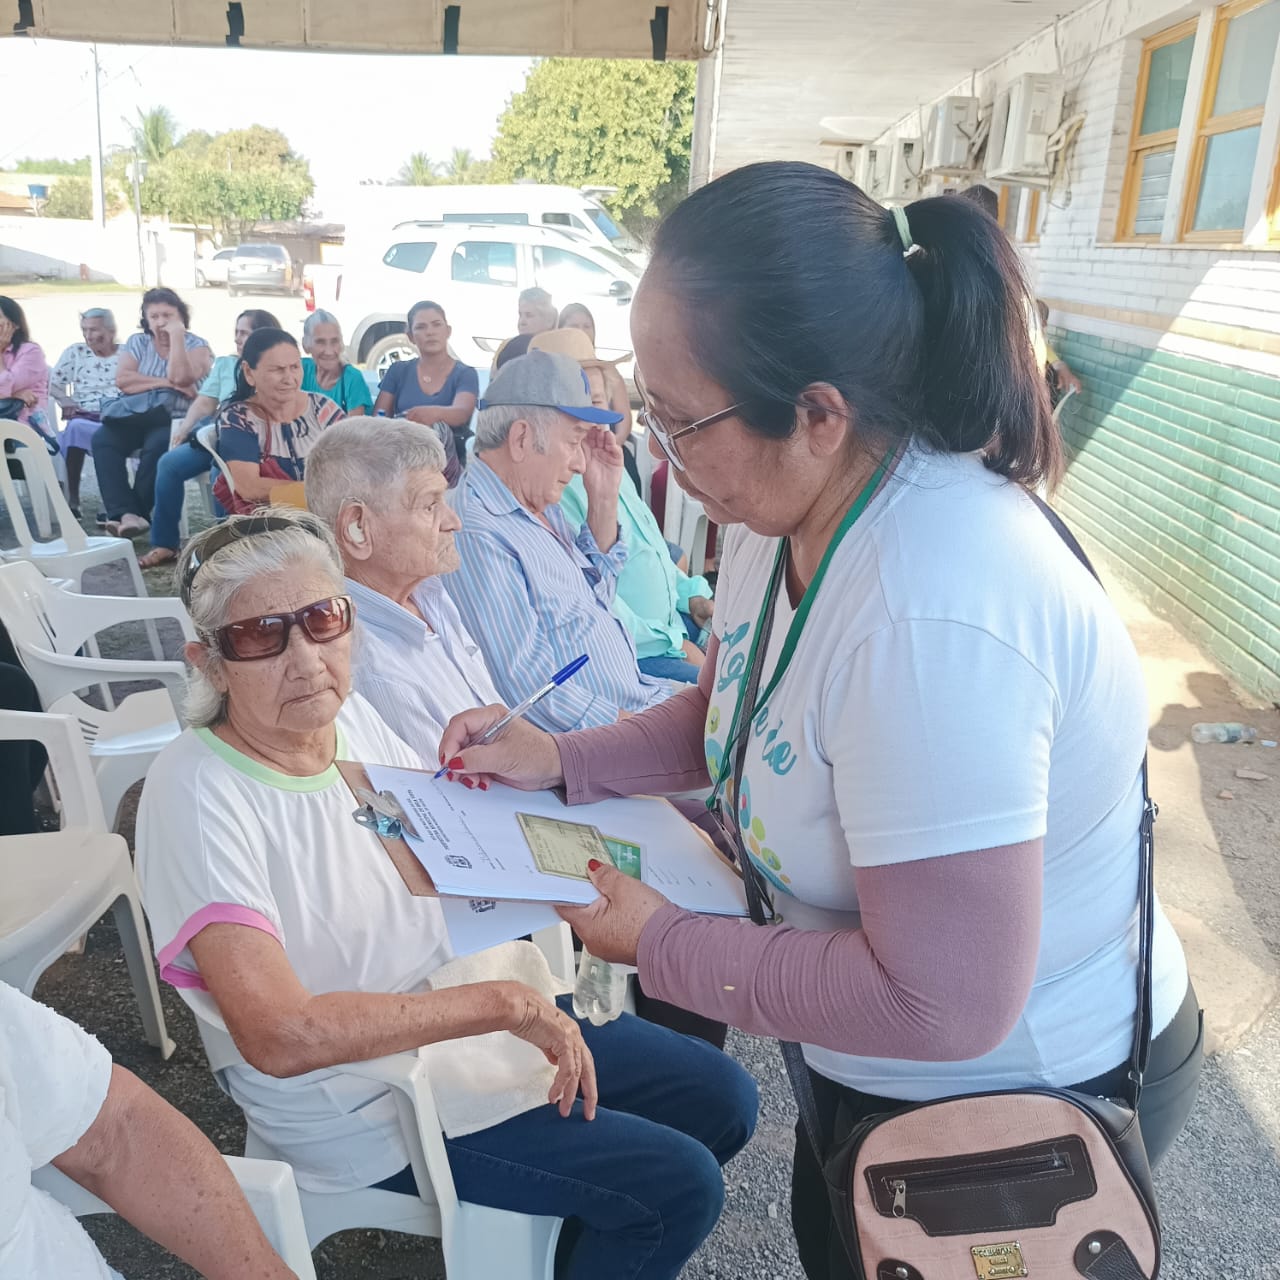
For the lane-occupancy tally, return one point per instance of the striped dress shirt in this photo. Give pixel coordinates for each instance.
(534, 598)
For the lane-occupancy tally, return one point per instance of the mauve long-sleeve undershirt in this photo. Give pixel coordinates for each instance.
(926, 977)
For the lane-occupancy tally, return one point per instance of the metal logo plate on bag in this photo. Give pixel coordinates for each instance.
(999, 1261)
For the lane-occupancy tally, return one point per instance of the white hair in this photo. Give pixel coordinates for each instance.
(493, 425)
(367, 460)
(308, 545)
(310, 324)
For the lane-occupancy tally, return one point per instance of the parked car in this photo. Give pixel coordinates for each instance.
(211, 268)
(262, 267)
(475, 271)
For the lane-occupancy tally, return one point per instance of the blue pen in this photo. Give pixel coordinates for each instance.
(531, 701)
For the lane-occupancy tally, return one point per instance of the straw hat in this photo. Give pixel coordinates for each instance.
(572, 343)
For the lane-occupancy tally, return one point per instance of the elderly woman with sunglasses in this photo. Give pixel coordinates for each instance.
(266, 898)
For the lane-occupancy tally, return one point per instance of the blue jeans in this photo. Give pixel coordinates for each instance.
(669, 669)
(641, 1184)
(179, 465)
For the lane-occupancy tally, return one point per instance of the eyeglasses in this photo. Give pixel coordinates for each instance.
(665, 435)
(268, 636)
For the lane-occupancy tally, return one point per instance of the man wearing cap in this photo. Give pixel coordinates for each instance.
(663, 608)
(534, 592)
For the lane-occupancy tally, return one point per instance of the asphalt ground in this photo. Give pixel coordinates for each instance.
(1220, 1186)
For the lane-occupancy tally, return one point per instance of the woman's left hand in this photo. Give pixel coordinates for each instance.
(27, 397)
(610, 927)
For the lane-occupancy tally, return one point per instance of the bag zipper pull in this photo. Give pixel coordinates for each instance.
(899, 1198)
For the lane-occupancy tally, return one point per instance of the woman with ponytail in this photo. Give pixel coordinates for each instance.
(269, 424)
(937, 773)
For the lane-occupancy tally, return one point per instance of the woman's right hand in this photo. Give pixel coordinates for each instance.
(522, 756)
(541, 1023)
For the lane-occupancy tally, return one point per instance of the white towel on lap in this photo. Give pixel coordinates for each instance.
(480, 1081)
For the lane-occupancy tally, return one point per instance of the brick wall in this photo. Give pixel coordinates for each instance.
(1175, 470)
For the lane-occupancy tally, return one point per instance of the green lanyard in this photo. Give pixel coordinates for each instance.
(764, 626)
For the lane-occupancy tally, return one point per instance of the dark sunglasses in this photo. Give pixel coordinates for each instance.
(268, 636)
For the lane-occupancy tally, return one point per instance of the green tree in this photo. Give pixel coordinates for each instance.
(51, 167)
(419, 170)
(609, 122)
(155, 134)
(232, 184)
(72, 197)
(463, 168)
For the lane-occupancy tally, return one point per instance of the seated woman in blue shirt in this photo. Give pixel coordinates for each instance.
(324, 370)
(435, 389)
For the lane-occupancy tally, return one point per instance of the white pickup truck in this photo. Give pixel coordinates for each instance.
(475, 271)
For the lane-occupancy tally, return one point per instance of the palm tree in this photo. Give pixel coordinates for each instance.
(463, 167)
(419, 170)
(155, 134)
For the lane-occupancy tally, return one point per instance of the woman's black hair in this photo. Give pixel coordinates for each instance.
(425, 305)
(259, 319)
(16, 317)
(791, 276)
(170, 299)
(258, 343)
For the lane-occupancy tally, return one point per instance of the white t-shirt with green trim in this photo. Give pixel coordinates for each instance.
(962, 683)
(223, 838)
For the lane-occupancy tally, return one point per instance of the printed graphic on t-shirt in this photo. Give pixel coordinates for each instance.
(768, 748)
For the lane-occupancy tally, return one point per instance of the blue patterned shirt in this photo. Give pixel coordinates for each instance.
(534, 598)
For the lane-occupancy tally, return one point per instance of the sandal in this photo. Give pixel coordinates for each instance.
(156, 557)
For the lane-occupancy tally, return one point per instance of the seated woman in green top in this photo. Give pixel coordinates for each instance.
(325, 371)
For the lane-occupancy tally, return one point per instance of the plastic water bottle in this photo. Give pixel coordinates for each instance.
(1228, 732)
(600, 990)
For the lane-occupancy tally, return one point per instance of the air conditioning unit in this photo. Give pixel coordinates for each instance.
(851, 162)
(904, 169)
(875, 172)
(1027, 114)
(951, 137)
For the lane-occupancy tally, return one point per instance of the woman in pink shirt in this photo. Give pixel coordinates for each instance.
(25, 372)
(937, 776)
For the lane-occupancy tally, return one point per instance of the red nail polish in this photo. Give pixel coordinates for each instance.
(593, 864)
(469, 783)
(484, 786)
(449, 776)
(456, 763)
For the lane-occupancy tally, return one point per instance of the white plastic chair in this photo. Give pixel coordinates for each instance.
(58, 884)
(69, 555)
(685, 524)
(479, 1243)
(48, 625)
(36, 492)
(208, 437)
(268, 1186)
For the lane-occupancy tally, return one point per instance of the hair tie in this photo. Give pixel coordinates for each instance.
(904, 230)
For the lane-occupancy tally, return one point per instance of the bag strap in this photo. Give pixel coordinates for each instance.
(761, 908)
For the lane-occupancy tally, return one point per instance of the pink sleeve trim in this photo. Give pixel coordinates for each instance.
(215, 913)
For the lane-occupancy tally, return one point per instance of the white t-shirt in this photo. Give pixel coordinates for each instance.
(222, 838)
(962, 683)
(53, 1081)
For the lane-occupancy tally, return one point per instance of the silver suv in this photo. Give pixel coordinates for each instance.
(262, 268)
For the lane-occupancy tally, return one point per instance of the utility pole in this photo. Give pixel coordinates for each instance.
(95, 158)
(139, 172)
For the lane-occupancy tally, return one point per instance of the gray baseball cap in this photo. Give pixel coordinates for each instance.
(541, 380)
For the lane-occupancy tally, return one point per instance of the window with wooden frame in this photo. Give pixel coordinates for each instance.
(1035, 212)
(1010, 205)
(1225, 155)
(1162, 87)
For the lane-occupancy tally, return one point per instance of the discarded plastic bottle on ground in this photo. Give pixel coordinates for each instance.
(1229, 732)
(600, 990)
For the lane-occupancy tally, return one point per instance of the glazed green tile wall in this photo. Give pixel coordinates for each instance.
(1174, 467)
